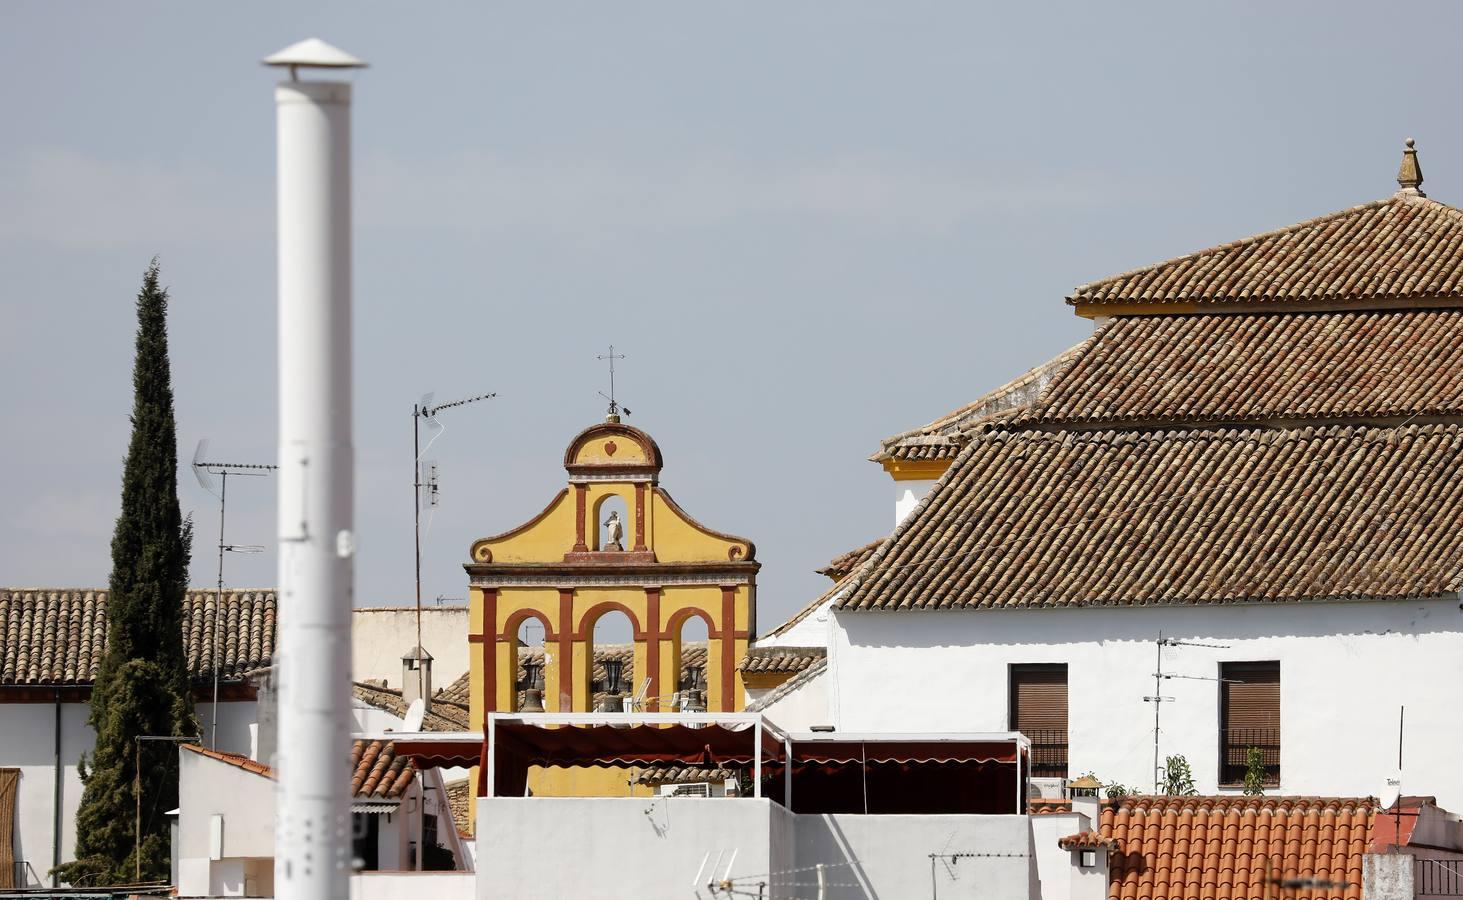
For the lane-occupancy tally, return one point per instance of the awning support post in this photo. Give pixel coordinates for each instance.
(787, 773)
(757, 759)
(492, 755)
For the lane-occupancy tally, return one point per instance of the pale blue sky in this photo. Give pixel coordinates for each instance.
(808, 226)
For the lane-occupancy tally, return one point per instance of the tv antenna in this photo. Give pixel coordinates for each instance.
(204, 471)
(1158, 698)
(425, 487)
(614, 413)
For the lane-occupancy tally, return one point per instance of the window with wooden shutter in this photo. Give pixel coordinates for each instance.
(1249, 717)
(1039, 710)
(9, 787)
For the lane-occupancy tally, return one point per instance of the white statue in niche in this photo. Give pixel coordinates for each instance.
(614, 533)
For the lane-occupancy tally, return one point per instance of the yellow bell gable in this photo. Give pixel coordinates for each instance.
(569, 565)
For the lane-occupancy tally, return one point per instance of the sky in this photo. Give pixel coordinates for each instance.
(807, 227)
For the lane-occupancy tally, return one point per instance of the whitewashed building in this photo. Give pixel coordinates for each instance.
(1230, 514)
(51, 643)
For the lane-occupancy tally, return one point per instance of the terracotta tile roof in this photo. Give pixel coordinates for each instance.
(443, 716)
(57, 636)
(1031, 519)
(1087, 840)
(233, 759)
(788, 687)
(460, 796)
(845, 564)
(1198, 848)
(1237, 368)
(781, 659)
(1403, 248)
(675, 773)
(1041, 806)
(942, 438)
(378, 773)
(459, 691)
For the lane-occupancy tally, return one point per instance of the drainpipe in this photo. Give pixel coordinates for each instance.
(56, 798)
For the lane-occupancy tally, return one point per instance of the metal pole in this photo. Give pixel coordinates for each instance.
(416, 505)
(822, 882)
(218, 604)
(316, 485)
(1158, 705)
(137, 817)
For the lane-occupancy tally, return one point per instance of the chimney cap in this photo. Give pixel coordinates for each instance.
(416, 653)
(315, 54)
(1409, 174)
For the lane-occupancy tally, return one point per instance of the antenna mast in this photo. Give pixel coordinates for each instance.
(425, 411)
(202, 470)
(1159, 676)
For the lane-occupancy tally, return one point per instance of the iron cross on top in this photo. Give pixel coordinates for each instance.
(614, 413)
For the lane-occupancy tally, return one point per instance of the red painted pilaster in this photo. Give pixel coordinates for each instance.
(566, 650)
(728, 647)
(652, 648)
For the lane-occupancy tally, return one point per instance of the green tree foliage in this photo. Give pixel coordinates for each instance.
(1255, 774)
(142, 684)
(1178, 778)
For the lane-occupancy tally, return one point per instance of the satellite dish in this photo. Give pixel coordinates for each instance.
(205, 477)
(414, 715)
(1391, 790)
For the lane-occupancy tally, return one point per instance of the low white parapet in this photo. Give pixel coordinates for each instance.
(673, 848)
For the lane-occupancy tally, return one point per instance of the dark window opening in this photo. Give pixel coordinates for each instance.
(365, 840)
(1038, 709)
(1249, 718)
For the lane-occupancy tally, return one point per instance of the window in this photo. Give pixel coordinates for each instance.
(1249, 717)
(1039, 711)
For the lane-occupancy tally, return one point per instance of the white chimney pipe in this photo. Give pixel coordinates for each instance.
(316, 478)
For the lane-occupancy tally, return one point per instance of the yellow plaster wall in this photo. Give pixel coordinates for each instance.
(541, 540)
(627, 450)
(675, 539)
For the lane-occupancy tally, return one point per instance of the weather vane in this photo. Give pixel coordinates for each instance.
(614, 413)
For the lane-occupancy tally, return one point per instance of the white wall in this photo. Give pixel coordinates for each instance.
(802, 708)
(381, 636)
(907, 495)
(543, 847)
(28, 742)
(244, 864)
(889, 856)
(396, 885)
(1345, 668)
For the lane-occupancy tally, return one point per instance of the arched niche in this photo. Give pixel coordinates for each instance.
(619, 504)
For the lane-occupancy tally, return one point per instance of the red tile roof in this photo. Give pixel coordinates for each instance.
(377, 773)
(234, 759)
(1236, 368)
(1087, 840)
(781, 659)
(1043, 519)
(1221, 848)
(57, 636)
(845, 564)
(1403, 248)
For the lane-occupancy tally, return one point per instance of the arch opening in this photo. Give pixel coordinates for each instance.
(610, 672)
(527, 647)
(690, 640)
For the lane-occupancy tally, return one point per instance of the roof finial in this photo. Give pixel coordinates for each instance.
(1409, 176)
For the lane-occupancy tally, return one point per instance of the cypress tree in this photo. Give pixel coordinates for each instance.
(142, 685)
